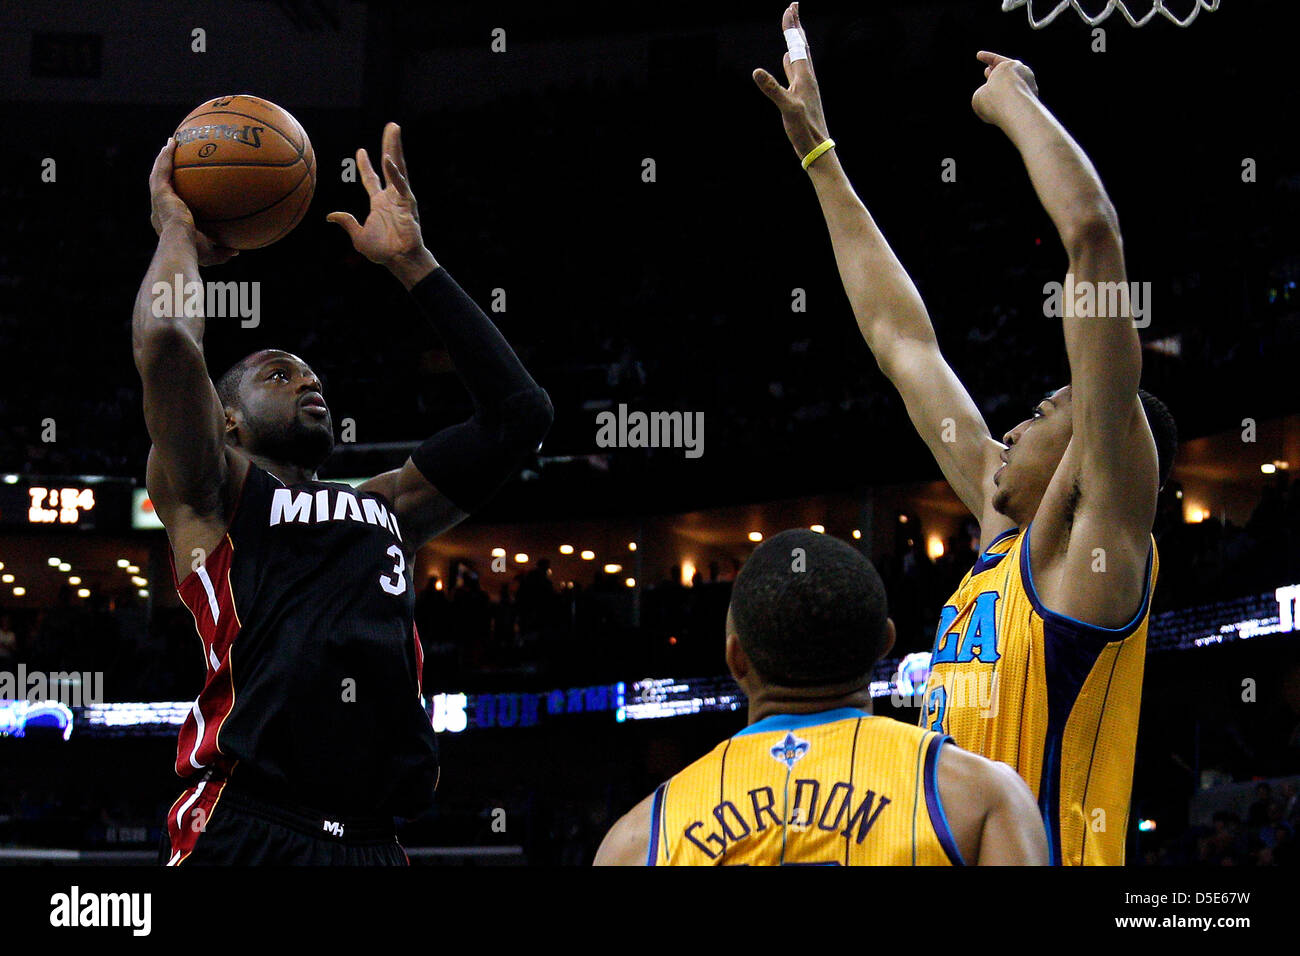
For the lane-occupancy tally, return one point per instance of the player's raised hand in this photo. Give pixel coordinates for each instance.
(392, 227)
(166, 208)
(1006, 81)
(801, 102)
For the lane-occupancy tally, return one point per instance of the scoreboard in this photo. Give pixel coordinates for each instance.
(65, 503)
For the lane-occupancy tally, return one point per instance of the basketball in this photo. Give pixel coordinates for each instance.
(246, 169)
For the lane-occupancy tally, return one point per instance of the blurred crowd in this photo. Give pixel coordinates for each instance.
(480, 628)
(1261, 834)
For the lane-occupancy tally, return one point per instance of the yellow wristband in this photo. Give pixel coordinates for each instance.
(813, 156)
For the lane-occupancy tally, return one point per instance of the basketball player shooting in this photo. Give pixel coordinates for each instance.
(1038, 657)
(815, 778)
(309, 735)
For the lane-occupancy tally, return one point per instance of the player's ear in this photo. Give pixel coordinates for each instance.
(737, 659)
(234, 418)
(891, 634)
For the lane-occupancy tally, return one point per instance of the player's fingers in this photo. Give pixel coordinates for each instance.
(800, 55)
(992, 59)
(396, 177)
(773, 90)
(369, 178)
(393, 147)
(161, 174)
(347, 221)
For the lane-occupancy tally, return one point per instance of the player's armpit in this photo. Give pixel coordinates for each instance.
(628, 840)
(422, 511)
(1090, 541)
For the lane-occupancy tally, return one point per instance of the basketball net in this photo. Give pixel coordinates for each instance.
(1111, 6)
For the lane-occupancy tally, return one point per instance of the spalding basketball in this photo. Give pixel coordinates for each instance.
(245, 168)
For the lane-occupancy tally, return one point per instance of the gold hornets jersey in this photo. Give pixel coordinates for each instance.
(840, 787)
(1055, 698)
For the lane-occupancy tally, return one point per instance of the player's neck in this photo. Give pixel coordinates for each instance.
(286, 473)
(771, 701)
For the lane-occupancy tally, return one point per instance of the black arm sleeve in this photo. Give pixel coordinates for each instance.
(470, 461)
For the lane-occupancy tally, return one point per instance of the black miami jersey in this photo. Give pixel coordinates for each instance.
(305, 611)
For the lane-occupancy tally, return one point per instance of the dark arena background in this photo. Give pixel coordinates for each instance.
(609, 176)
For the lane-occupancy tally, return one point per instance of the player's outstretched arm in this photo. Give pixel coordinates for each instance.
(886, 304)
(459, 468)
(991, 811)
(628, 840)
(187, 465)
(1103, 495)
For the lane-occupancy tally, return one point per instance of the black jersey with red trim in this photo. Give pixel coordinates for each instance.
(306, 614)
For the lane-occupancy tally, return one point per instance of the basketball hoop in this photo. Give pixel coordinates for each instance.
(1158, 6)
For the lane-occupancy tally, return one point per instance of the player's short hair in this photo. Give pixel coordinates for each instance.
(228, 384)
(1163, 429)
(809, 610)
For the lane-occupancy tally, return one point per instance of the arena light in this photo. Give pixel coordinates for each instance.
(902, 519)
(7, 579)
(143, 592)
(123, 562)
(688, 573)
(437, 585)
(857, 535)
(54, 562)
(65, 567)
(566, 549)
(2, 565)
(630, 582)
(132, 569)
(613, 568)
(1146, 826)
(756, 536)
(83, 592)
(588, 555)
(11, 479)
(1268, 468)
(819, 528)
(74, 580)
(521, 558)
(19, 591)
(498, 552)
(631, 545)
(1282, 465)
(934, 547)
(139, 581)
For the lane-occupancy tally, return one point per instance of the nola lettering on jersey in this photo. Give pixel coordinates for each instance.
(329, 504)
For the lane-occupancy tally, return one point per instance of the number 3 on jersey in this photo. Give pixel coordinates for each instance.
(936, 705)
(397, 583)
